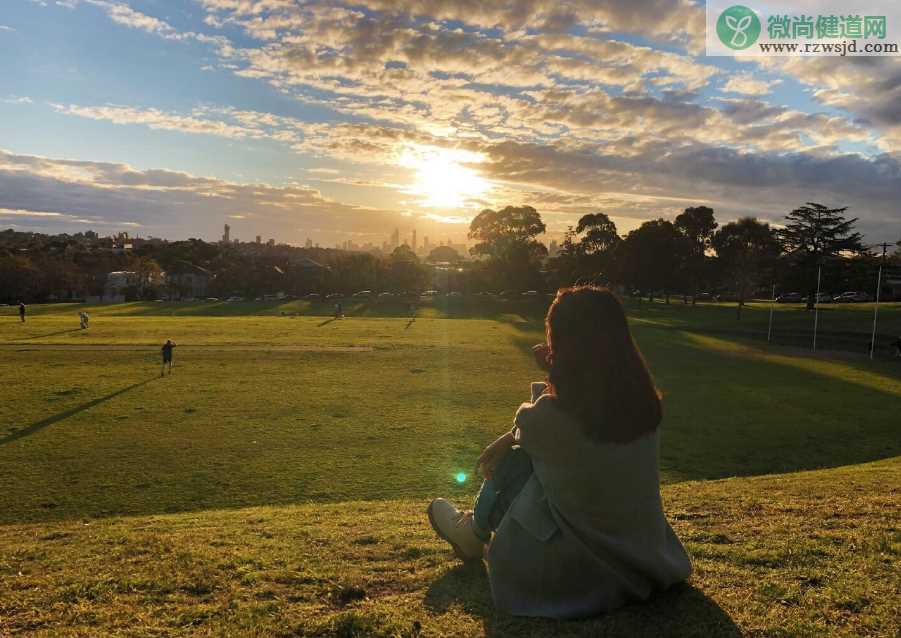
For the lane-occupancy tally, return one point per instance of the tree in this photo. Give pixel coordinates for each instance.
(507, 239)
(147, 275)
(747, 249)
(444, 254)
(588, 249)
(404, 270)
(650, 257)
(814, 234)
(697, 224)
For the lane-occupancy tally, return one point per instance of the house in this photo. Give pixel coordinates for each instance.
(307, 274)
(891, 286)
(116, 284)
(187, 281)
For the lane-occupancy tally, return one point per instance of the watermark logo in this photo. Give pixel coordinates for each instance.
(738, 27)
(765, 28)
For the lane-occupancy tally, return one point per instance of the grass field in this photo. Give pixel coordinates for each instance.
(274, 485)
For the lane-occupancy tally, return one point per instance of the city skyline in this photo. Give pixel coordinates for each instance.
(339, 120)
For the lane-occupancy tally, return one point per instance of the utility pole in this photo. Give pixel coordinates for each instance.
(878, 290)
(816, 306)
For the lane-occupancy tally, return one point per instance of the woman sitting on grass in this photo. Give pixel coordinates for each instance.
(572, 492)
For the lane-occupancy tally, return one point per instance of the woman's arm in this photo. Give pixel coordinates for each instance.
(493, 454)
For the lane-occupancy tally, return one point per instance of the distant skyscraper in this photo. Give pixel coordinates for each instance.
(425, 243)
(226, 236)
(309, 243)
(395, 239)
(553, 248)
(259, 239)
(413, 242)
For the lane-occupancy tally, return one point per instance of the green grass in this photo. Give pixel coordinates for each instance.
(275, 482)
(812, 554)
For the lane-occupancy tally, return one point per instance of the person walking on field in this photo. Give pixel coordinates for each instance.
(22, 311)
(570, 509)
(167, 349)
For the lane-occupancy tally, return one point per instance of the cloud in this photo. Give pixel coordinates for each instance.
(55, 194)
(868, 88)
(735, 183)
(747, 84)
(569, 113)
(668, 20)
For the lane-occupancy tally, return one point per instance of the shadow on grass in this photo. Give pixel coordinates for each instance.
(327, 322)
(49, 334)
(37, 426)
(681, 611)
(744, 412)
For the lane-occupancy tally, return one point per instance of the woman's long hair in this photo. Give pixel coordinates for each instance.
(596, 371)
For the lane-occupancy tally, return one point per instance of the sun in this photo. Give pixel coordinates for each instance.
(444, 178)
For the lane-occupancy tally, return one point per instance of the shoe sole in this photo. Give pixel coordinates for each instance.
(457, 551)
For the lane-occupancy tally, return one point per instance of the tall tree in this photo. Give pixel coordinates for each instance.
(404, 270)
(697, 224)
(507, 238)
(747, 250)
(651, 256)
(814, 234)
(588, 249)
(444, 254)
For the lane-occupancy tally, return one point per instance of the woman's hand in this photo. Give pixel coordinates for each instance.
(542, 356)
(492, 455)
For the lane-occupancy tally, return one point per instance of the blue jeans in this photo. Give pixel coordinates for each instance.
(498, 493)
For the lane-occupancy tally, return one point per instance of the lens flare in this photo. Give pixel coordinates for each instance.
(461, 477)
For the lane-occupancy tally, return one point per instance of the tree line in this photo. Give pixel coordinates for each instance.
(689, 256)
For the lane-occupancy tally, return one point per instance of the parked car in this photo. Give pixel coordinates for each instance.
(385, 295)
(312, 296)
(790, 297)
(233, 299)
(852, 297)
(363, 294)
(823, 297)
(430, 293)
(530, 293)
(334, 295)
(705, 296)
(455, 293)
(212, 298)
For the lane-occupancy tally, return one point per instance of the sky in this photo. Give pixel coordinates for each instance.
(342, 121)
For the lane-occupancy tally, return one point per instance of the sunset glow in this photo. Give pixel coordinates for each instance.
(444, 178)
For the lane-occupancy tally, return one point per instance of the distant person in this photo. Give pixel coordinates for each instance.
(572, 493)
(167, 349)
(413, 311)
(898, 347)
(339, 311)
(83, 319)
(22, 312)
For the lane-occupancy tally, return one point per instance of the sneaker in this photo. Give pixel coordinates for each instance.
(456, 528)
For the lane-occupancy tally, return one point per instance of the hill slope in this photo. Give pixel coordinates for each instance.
(805, 554)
